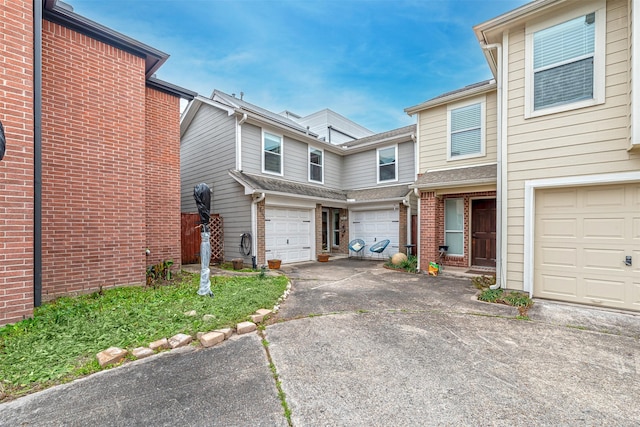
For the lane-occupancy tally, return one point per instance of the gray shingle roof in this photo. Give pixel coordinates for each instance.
(380, 193)
(406, 130)
(472, 175)
(267, 184)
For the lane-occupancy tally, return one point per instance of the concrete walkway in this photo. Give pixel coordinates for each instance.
(359, 345)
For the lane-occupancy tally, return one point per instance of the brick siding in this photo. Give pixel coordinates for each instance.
(432, 228)
(16, 169)
(93, 154)
(162, 173)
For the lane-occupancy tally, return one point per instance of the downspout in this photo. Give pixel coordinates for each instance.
(254, 222)
(417, 193)
(635, 73)
(239, 141)
(501, 196)
(37, 153)
(406, 203)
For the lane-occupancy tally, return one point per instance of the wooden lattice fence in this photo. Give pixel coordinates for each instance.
(191, 238)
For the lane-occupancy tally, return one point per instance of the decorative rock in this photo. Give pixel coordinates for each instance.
(208, 317)
(159, 345)
(245, 327)
(398, 258)
(211, 338)
(263, 312)
(142, 352)
(179, 340)
(111, 356)
(191, 313)
(226, 331)
(257, 318)
(199, 335)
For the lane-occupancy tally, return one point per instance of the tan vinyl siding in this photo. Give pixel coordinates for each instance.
(433, 138)
(586, 141)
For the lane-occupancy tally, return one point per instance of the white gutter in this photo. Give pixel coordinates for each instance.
(407, 203)
(239, 141)
(254, 222)
(501, 190)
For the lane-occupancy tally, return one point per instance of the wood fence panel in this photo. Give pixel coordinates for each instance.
(191, 238)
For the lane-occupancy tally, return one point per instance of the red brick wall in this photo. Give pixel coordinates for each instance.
(162, 163)
(432, 228)
(16, 169)
(93, 154)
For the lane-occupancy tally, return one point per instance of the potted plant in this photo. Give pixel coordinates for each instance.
(323, 257)
(274, 263)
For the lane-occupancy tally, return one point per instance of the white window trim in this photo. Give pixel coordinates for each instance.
(281, 153)
(321, 165)
(530, 188)
(378, 164)
(599, 58)
(482, 100)
(462, 230)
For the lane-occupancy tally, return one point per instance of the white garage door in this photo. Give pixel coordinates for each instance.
(583, 239)
(374, 226)
(288, 234)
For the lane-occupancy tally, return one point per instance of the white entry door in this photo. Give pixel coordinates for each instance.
(288, 234)
(374, 226)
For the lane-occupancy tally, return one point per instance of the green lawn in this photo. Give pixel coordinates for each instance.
(60, 342)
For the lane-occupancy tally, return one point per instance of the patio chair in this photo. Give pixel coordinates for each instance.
(379, 247)
(357, 246)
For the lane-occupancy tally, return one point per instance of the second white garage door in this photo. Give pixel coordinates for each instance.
(587, 245)
(288, 234)
(374, 226)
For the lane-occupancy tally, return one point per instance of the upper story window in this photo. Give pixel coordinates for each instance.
(272, 153)
(316, 162)
(565, 63)
(387, 164)
(466, 130)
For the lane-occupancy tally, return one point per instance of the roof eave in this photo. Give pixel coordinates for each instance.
(453, 97)
(154, 58)
(470, 183)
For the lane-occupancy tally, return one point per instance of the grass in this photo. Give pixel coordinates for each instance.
(60, 342)
(513, 298)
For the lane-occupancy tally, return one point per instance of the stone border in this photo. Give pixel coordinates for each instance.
(114, 355)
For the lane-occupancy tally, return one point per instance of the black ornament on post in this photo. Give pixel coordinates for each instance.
(202, 194)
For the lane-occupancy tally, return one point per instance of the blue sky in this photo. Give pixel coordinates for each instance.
(365, 59)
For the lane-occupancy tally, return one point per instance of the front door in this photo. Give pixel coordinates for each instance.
(483, 232)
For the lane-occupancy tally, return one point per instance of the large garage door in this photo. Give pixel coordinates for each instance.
(288, 234)
(587, 245)
(374, 226)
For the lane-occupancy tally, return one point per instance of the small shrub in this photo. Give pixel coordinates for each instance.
(491, 295)
(410, 265)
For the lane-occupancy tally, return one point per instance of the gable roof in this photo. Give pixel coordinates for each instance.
(454, 95)
(242, 105)
(391, 136)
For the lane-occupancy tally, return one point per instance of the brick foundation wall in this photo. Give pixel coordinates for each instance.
(93, 157)
(318, 233)
(16, 169)
(432, 227)
(162, 173)
(261, 234)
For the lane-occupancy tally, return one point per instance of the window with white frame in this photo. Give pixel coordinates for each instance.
(566, 63)
(316, 161)
(272, 153)
(466, 130)
(454, 226)
(387, 164)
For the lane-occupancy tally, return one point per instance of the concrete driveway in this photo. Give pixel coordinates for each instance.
(358, 345)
